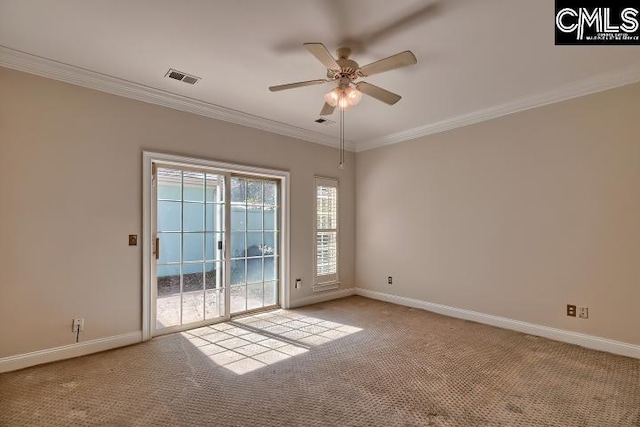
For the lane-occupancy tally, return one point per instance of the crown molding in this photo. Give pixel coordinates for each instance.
(572, 90)
(48, 68)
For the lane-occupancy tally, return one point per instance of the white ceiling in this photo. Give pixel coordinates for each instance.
(473, 56)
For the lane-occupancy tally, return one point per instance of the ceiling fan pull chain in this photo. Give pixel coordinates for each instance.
(341, 166)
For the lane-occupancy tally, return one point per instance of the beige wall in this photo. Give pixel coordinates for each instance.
(71, 192)
(514, 217)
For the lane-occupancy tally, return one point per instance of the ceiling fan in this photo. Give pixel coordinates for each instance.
(345, 72)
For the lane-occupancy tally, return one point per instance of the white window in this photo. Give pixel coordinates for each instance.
(326, 249)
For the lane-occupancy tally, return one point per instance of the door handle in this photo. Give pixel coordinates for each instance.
(157, 248)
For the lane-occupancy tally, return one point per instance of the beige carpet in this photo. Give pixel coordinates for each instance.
(351, 362)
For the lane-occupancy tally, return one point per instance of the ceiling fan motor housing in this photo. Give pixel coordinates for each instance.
(348, 68)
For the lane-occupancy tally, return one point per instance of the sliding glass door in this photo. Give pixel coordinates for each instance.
(197, 280)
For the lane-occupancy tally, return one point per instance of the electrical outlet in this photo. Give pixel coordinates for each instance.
(78, 324)
(583, 312)
(298, 284)
(390, 280)
(571, 310)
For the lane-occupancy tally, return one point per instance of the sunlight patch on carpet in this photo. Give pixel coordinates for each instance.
(254, 342)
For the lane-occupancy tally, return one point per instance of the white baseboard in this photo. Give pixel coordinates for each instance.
(20, 361)
(12, 363)
(588, 341)
(323, 296)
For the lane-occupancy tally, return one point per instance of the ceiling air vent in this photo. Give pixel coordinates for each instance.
(183, 77)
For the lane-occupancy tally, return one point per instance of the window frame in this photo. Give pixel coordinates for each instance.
(330, 281)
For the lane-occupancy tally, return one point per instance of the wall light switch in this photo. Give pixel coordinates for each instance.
(133, 240)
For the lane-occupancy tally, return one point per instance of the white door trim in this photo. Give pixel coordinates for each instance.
(148, 157)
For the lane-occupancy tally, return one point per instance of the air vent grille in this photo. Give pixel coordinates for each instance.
(183, 77)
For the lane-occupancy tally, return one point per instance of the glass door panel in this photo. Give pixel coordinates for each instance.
(190, 214)
(253, 245)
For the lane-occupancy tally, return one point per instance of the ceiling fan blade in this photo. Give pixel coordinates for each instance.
(322, 54)
(327, 110)
(411, 19)
(396, 61)
(378, 93)
(298, 84)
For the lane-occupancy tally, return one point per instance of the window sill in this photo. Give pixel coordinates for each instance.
(320, 287)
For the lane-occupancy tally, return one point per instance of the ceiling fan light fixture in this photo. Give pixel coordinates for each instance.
(352, 95)
(332, 97)
(343, 97)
